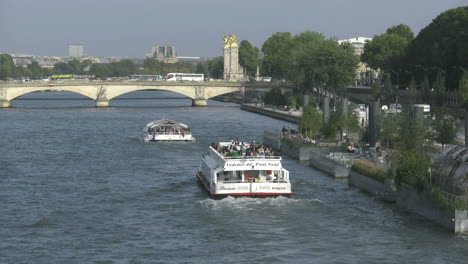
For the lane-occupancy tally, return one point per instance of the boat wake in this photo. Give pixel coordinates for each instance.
(254, 203)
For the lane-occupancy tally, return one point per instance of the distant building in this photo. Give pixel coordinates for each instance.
(358, 43)
(76, 51)
(363, 72)
(165, 54)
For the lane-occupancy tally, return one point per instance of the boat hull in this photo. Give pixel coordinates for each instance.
(205, 186)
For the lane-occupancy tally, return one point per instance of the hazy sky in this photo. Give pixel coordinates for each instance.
(129, 28)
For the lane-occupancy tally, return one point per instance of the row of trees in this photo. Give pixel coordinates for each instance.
(9, 70)
(437, 55)
(310, 60)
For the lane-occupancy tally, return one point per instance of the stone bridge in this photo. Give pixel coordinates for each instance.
(104, 91)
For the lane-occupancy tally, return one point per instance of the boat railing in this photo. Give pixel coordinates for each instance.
(251, 181)
(252, 157)
(171, 133)
(243, 157)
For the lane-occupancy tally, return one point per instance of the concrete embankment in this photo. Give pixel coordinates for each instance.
(278, 114)
(405, 198)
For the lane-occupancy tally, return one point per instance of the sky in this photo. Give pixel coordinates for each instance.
(129, 28)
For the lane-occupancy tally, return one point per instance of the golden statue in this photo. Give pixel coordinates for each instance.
(233, 40)
(226, 42)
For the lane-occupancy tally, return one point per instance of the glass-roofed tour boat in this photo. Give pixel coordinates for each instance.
(166, 130)
(243, 169)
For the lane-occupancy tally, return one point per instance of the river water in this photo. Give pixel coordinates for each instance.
(77, 186)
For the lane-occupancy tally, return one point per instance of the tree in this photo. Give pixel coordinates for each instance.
(376, 90)
(7, 67)
(413, 161)
(100, 71)
(463, 94)
(389, 129)
(385, 51)
(215, 67)
(439, 89)
(445, 129)
(444, 42)
(311, 122)
(35, 71)
(425, 90)
(388, 87)
(304, 69)
(401, 30)
(248, 57)
(412, 91)
(275, 97)
(277, 51)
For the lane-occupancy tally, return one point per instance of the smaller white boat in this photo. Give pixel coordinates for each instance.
(166, 130)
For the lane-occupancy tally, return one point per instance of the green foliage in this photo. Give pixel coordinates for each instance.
(401, 30)
(311, 122)
(331, 129)
(385, 51)
(351, 121)
(376, 90)
(291, 142)
(390, 129)
(439, 89)
(412, 161)
(310, 60)
(364, 133)
(463, 90)
(388, 87)
(7, 67)
(275, 97)
(366, 168)
(413, 169)
(277, 50)
(292, 103)
(443, 42)
(425, 90)
(445, 129)
(215, 67)
(248, 57)
(448, 201)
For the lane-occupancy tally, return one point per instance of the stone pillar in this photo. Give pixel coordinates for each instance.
(374, 122)
(5, 103)
(306, 100)
(227, 59)
(199, 102)
(344, 106)
(326, 108)
(100, 103)
(234, 63)
(418, 115)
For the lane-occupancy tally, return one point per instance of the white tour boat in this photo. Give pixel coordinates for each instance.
(166, 130)
(241, 169)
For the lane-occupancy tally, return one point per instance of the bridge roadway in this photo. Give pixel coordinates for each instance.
(103, 91)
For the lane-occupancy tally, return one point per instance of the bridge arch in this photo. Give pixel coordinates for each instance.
(20, 91)
(103, 92)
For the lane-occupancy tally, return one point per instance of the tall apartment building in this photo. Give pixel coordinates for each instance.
(76, 51)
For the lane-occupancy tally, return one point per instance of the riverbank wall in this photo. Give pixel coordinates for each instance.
(403, 197)
(278, 114)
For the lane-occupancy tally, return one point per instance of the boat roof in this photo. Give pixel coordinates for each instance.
(165, 122)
